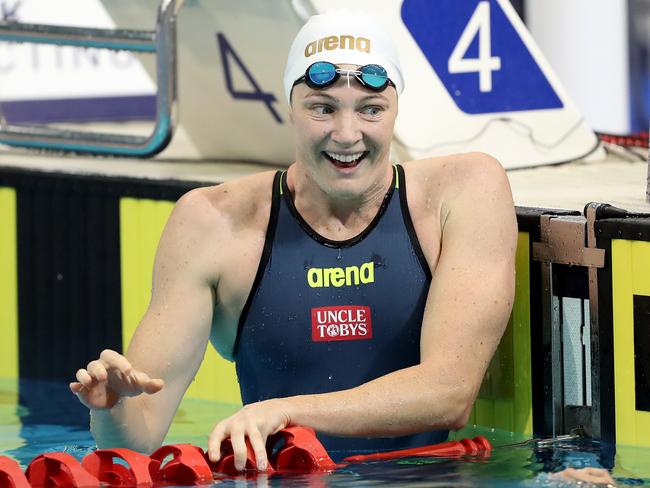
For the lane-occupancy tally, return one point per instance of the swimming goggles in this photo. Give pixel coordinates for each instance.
(322, 74)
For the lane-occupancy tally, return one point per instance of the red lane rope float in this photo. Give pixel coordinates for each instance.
(11, 475)
(292, 450)
(59, 469)
(136, 472)
(466, 447)
(302, 451)
(188, 465)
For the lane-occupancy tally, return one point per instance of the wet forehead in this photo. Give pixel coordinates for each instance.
(333, 96)
(340, 92)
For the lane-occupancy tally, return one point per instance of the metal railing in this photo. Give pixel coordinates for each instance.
(161, 42)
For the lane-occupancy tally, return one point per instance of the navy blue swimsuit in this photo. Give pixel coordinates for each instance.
(329, 315)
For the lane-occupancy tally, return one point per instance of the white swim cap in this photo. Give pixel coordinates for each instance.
(342, 37)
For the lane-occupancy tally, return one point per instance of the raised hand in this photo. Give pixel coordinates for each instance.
(109, 378)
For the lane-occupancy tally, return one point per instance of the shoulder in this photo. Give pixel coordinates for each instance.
(456, 172)
(216, 217)
(228, 207)
(458, 179)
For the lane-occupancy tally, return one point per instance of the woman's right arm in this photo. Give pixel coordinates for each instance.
(169, 343)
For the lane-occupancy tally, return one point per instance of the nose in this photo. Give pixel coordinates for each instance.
(347, 129)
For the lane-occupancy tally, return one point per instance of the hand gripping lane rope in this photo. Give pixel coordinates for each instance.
(292, 450)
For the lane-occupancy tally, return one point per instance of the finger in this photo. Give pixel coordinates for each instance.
(84, 378)
(145, 383)
(238, 440)
(113, 360)
(259, 448)
(76, 387)
(214, 443)
(154, 386)
(97, 370)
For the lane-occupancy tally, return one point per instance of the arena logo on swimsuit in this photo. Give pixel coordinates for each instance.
(341, 323)
(351, 275)
(330, 43)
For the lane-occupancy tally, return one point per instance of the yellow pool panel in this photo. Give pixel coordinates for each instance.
(631, 462)
(141, 224)
(630, 276)
(8, 285)
(505, 399)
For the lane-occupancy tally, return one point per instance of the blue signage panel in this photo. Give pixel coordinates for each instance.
(478, 55)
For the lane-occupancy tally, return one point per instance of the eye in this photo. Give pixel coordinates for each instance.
(373, 111)
(323, 109)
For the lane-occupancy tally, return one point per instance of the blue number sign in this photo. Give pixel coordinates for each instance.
(478, 55)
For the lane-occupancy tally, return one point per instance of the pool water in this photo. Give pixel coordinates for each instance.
(45, 417)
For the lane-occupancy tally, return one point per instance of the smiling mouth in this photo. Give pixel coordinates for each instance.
(345, 160)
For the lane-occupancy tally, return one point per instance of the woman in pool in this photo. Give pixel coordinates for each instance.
(362, 299)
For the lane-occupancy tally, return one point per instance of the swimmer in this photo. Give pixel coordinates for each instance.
(360, 298)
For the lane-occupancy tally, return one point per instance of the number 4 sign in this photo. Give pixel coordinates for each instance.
(479, 25)
(256, 94)
(478, 55)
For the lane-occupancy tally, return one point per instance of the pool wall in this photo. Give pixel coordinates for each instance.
(77, 255)
(8, 285)
(624, 300)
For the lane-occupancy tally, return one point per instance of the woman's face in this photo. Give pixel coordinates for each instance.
(343, 134)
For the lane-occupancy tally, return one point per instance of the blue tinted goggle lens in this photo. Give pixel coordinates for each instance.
(373, 75)
(322, 73)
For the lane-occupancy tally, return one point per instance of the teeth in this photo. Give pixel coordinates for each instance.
(344, 158)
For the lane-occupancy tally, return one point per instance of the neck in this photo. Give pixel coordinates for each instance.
(335, 216)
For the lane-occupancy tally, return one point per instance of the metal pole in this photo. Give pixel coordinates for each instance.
(162, 42)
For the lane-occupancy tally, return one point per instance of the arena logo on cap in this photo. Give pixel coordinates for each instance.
(341, 323)
(330, 43)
